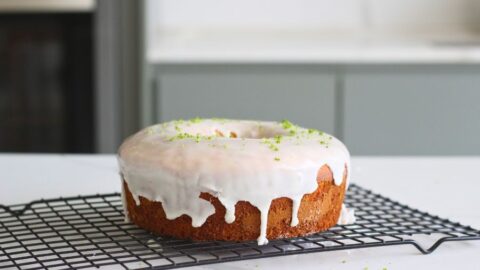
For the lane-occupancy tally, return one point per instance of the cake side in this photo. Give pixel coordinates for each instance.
(318, 211)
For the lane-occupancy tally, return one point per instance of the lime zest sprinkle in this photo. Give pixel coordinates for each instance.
(150, 131)
(277, 159)
(273, 143)
(197, 138)
(286, 124)
(179, 121)
(195, 120)
(220, 120)
(278, 139)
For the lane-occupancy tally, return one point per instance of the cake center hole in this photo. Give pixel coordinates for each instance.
(249, 134)
(245, 131)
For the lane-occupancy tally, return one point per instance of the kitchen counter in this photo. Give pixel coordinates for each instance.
(446, 186)
(200, 46)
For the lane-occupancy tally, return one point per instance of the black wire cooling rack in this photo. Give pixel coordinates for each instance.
(90, 232)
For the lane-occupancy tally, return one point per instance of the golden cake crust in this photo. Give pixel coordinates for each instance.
(318, 211)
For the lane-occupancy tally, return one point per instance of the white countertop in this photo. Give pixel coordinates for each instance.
(446, 186)
(187, 46)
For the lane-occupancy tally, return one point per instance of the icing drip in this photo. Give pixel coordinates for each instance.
(295, 207)
(174, 162)
(262, 238)
(124, 204)
(230, 209)
(347, 216)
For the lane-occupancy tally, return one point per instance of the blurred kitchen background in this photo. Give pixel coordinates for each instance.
(388, 77)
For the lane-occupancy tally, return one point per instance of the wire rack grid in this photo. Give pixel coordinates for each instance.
(90, 232)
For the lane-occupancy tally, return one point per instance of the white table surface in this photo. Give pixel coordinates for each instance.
(446, 186)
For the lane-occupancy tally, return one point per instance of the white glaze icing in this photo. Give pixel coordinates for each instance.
(124, 204)
(347, 216)
(174, 162)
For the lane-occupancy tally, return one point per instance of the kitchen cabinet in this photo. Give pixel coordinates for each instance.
(378, 109)
(304, 95)
(412, 110)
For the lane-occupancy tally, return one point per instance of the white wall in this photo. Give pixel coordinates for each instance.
(347, 16)
(312, 13)
(254, 13)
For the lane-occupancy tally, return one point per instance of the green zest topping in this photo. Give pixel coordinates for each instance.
(195, 120)
(276, 159)
(286, 124)
(293, 133)
(179, 122)
(197, 137)
(150, 131)
(295, 130)
(278, 139)
(181, 136)
(271, 144)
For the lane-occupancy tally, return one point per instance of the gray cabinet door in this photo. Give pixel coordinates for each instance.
(301, 94)
(412, 111)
